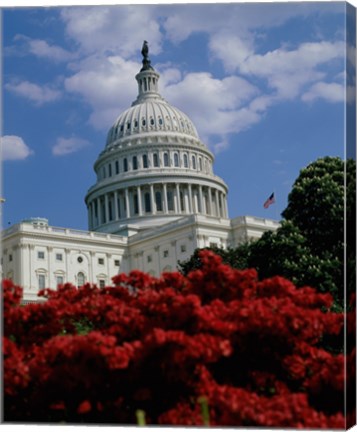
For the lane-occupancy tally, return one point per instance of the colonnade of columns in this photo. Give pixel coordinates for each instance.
(163, 199)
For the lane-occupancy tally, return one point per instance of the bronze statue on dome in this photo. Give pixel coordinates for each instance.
(145, 54)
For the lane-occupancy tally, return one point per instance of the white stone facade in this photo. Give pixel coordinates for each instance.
(156, 200)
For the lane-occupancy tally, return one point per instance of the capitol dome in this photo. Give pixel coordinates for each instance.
(154, 169)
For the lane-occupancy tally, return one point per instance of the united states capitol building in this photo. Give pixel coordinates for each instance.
(156, 199)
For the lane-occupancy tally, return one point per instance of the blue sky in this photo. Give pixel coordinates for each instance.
(263, 83)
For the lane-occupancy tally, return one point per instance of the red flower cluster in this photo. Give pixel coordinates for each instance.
(254, 349)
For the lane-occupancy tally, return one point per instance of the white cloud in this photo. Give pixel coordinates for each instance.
(331, 92)
(240, 19)
(109, 37)
(34, 92)
(41, 48)
(14, 148)
(65, 146)
(287, 72)
(114, 90)
(215, 106)
(115, 29)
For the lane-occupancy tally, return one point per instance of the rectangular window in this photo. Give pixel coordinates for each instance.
(41, 255)
(117, 263)
(170, 200)
(149, 258)
(101, 283)
(59, 257)
(156, 160)
(183, 248)
(41, 281)
(166, 253)
(59, 280)
(116, 167)
(101, 261)
(10, 257)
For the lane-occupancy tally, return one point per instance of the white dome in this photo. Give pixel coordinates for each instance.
(154, 169)
(150, 113)
(151, 116)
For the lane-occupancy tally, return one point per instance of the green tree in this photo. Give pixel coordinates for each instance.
(286, 252)
(235, 257)
(316, 205)
(309, 247)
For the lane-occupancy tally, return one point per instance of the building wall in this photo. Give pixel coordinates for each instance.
(36, 256)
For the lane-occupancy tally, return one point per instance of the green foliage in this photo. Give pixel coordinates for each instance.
(235, 257)
(308, 248)
(316, 205)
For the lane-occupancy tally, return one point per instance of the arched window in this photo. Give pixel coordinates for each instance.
(81, 279)
(156, 160)
(135, 163)
(194, 162)
(200, 163)
(158, 201)
(145, 161)
(125, 164)
(176, 160)
(116, 167)
(166, 159)
(185, 160)
(110, 170)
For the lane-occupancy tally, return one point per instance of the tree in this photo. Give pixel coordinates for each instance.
(251, 348)
(235, 257)
(309, 247)
(287, 252)
(316, 205)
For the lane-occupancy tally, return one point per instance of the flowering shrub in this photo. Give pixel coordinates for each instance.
(254, 349)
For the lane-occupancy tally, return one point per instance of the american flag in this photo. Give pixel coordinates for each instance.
(269, 201)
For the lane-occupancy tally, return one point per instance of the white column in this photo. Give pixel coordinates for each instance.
(68, 265)
(210, 201)
(89, 210)
(166, 210)
(116, 210)
(178, 201)
(187, 204)
(190, 198)
(93, 214)
(217, 204)
(106, 203)
(49, 256)
(127, 203)
(222, 203)
(31, 261)
(226, 205)
(139, 201)
(152, 197)
(203, 204)
(195, 198)
(99, 211)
